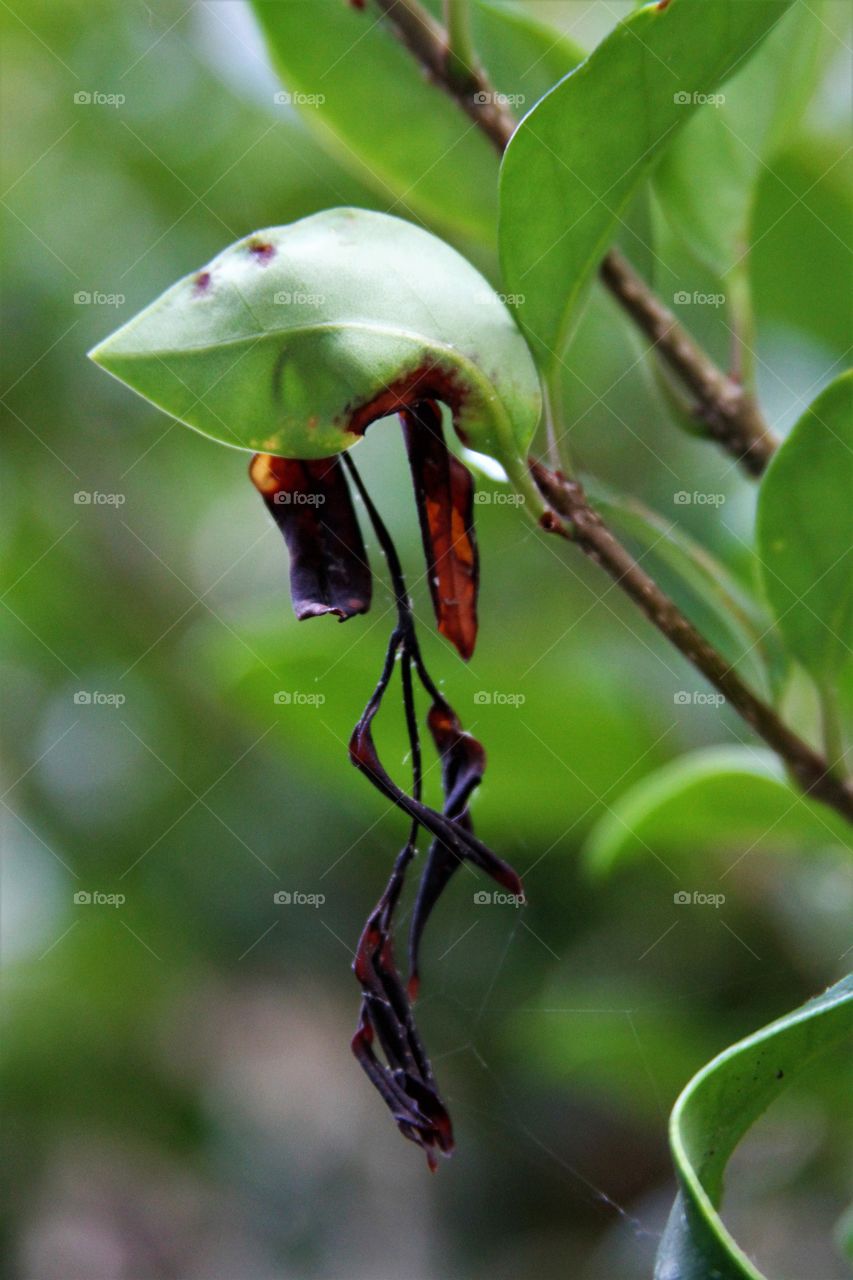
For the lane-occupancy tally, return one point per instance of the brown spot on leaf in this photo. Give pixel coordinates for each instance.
(426, 382)
(261, 250)
(202, 282)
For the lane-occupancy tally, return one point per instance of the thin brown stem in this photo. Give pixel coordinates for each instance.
(428, 42)
(588, 531)
(728, 413)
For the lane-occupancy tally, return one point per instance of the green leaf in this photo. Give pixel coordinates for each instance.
(714, 1112)
(294, 339)
(727, 143)
(399, 129)
(577, 159)
(805, 533)
(523, 57)
(717, 799)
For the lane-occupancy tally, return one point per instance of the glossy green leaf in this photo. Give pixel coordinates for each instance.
(577, 159)
(717, 1109)
(294, 339)
(729, 142)
(721, 799)
(805, 533)
(383, 116)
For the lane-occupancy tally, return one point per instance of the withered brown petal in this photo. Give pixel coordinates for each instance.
(405, 1080)
(444, 493)
(311, 503)
(417, 1108)
(441, 863)
(463, 758)
(463, 762)
(455, 835)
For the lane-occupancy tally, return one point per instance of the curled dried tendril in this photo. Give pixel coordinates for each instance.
(329, 573)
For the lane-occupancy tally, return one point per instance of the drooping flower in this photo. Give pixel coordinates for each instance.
(291, 344)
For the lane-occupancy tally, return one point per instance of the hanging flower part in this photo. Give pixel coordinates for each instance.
(311, 504)
(291, 344)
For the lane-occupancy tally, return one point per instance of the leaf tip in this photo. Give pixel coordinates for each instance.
(96, 353)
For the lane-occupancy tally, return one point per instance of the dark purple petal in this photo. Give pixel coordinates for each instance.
(462, 841)
(311, 504)
(405, 1080)
(463, 762)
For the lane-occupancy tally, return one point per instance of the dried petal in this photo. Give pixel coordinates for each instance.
(311, 503)
(405, 1081)
(444, 492)
(463, 842)
(463, 761)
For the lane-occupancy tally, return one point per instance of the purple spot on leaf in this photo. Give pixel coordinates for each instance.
(261, 250)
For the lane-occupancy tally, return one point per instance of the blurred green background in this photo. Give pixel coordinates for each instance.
(179, 1097)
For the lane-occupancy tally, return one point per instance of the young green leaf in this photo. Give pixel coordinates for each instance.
(577, 159)
(293, 340)
(366, 95)
(714, 1112)
(720, 798)
(805, 533)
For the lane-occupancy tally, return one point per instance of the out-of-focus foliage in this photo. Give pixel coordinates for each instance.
(718, 799)
(362, 70)
(179, 1096)
(749, 122)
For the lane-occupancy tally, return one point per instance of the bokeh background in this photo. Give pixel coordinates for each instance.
(179, 1097)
